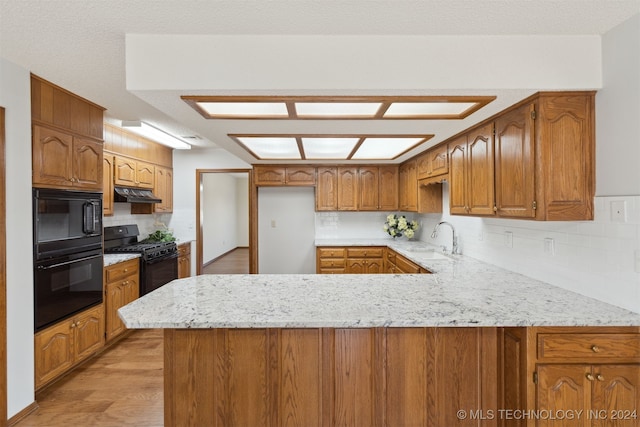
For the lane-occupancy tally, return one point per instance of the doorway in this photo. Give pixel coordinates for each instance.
(223, 206)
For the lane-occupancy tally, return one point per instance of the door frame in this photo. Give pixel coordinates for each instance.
(3, 276)
(253, 226)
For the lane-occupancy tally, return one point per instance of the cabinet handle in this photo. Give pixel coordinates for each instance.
(126, 269)
(590, 377)
(599, 377)
(595, 348)
(71, 179)
(73, 325)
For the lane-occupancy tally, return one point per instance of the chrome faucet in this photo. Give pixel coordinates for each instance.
(455, 250)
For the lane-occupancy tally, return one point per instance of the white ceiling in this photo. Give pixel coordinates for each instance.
(80, 44)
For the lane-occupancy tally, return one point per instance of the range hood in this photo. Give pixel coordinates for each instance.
(134, 195)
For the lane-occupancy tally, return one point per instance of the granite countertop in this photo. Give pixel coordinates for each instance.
(110, 259)
(462, 292)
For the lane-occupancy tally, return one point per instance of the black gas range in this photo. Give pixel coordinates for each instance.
(158, 260)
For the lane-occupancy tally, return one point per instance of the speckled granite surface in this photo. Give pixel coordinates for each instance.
(110, 259)
(462, 292)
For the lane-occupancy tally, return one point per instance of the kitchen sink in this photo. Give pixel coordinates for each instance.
(428, 253)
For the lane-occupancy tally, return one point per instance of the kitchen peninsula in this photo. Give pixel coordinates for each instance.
(384, 349)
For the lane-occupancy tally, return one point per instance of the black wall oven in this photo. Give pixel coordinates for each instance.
(67, 253)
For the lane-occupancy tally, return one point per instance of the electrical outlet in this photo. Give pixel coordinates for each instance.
(618, 211)
(508, 239)
(637, 261)
(549, 246)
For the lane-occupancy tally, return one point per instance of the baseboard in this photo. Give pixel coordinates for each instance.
(22, 414)
(206, 264)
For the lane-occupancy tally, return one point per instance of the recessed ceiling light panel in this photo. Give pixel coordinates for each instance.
(271, 147)
(427, 109)
(337, 109)
(374, 148)
(328, 148)
(245, 109)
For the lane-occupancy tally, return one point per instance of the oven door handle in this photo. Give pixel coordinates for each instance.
(61, 264)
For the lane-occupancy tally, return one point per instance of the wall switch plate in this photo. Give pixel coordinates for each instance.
(508, 239)
(273, 223)
(549, 246)
(618, 211)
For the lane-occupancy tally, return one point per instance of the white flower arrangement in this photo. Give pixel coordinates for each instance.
(398, 225)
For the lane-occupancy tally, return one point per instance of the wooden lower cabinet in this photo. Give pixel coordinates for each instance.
(365, 260)
(328, 377)
(184, 260)
(67, 343)
(590, 374)
(121, 286)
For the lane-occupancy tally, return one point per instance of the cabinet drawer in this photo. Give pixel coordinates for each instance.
(121, 270)
(364, 252)
(589, 346)
(406, 266)
(331, 252)
(184, 249)
(332, 263)
(332, 271)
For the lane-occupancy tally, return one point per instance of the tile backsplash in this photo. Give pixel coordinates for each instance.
(147, 223)
(599, 258)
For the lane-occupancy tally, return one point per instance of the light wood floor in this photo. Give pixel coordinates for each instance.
(235, 262)
(123, 385)
(120, 387)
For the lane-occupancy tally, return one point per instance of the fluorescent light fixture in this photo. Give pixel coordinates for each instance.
(384, 147)
(328, 148)
(155, 134)
(337, 109)
(271, 147)
(237, 110)
(427, 109)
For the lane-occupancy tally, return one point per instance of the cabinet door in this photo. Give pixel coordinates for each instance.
(423, 166)
(87, 164)
(564, 388)
(327, 189)
(184, 260)
(388, 188)
(438, 161)
(125, 171)
(567, 135)
(145, 175)
(114, 299)
(479, 167)
(53, 352)
(163, 189)
(368, 188)
(457, 181)
(515, 163)
(52, 157)
(305, 175)
(616, 389)
(374, 266)
(269, 175)
(347, 189)
(89, 333)
(408, 182)
(107, 185)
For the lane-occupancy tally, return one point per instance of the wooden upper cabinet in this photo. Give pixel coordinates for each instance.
(480, 189)
(347, 188)
(327, 189)
(377, 188)
(55, 106)
(132, 173)
(163, 189)
(388, 188)
(61, 160)
(433, 162)
(107, 184)
(284, 175)
(457, 177)
(408, 186)
(565, 137)
(515, 163)
(471, 173)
